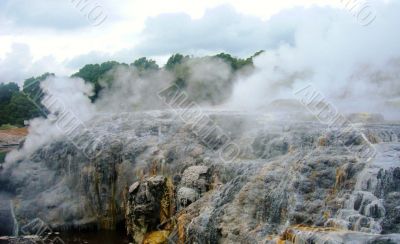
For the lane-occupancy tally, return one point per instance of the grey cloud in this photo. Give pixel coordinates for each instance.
(127, 55)
(220, 29)
(47, 14)
(18, 64)
(79, 61)
(41, 14)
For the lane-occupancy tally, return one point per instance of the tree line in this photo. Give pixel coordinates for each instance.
(20, 104)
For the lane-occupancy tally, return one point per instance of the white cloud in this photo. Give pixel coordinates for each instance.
(18, 64)
(145, 28)
(40, 14)
(58, 28)
(220, 29)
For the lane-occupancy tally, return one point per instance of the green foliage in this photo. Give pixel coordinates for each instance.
(18, 110)
(257, 53)
(32, 87)
(177, 64)
(235, 63)
(93, 73)
(175, 60)
(144, 64)
(182, 73)
(6, 91)
(7, 127)
(2, 157)
(17, 106)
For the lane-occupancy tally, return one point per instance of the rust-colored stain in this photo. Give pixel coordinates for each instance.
(290, 234)
(10, 138)
(14, 132)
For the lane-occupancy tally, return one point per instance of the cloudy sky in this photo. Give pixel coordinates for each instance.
(61, 36)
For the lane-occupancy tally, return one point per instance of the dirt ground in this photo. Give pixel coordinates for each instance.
(11, 138)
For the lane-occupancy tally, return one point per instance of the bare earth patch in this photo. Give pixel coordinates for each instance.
(11, 138)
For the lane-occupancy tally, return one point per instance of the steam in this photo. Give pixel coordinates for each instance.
(355, 67)
(68, 108)
(64, 99)
(210, 81)
(127, 90)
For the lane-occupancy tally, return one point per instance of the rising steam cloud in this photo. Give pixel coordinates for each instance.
(126, 89)
(356, 67)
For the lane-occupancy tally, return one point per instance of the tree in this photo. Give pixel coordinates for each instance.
(93, 73)
(6, 91)
(32, 87)
(257, 53)
(235, 63)
(15, 106)
(175, 60)
(21, 108)
(2, 157)
(144, 64)
(177, 64)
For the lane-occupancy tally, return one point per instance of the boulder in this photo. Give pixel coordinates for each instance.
(197, 177)
(196, 180)
(145, 206)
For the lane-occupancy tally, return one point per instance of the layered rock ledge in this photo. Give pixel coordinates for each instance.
(297, 182)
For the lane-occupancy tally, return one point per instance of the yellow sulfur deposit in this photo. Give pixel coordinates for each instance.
(156, 237)
(291, 234)
(340, 178)
(182, 221)
(167, 205)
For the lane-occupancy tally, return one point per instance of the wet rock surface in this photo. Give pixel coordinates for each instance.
(291, 181)
(195, 181)
(148, 206)
(8, 225)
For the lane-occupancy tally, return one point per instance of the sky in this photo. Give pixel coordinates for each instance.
(38, 36)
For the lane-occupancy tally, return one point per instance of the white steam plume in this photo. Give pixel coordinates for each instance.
(65, 99)
(355, 66)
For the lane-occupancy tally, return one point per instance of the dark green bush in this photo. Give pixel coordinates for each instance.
(2, 157)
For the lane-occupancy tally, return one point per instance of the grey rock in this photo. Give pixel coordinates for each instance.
(144, 206)
(289, 173)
